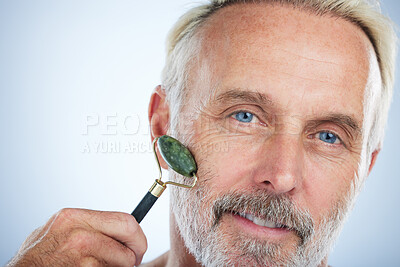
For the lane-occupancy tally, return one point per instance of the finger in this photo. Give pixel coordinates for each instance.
(119, 226)
(90, 246)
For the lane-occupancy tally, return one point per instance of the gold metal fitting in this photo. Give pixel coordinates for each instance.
(157, 188)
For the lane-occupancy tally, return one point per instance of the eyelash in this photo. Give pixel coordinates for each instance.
(233, 114)
(331, 132)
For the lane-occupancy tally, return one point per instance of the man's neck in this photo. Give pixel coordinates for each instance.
(178, 255)
(160, 261)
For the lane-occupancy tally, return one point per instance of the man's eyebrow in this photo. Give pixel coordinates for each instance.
(235, 95)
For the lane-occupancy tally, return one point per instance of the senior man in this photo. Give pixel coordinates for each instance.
(297, 92)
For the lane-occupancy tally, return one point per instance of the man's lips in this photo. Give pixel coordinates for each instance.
(263, 215)
(261, 222)
(261, 227)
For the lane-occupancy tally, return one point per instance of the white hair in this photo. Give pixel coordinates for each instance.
(183, 45)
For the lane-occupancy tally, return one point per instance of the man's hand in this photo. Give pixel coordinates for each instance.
(75, 237)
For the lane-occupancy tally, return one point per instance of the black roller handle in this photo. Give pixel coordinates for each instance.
(148, 201)
(144, 206)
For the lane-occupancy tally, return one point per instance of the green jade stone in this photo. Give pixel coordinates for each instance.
(177, 156)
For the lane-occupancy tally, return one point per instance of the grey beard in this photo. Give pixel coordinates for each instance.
(198, 226)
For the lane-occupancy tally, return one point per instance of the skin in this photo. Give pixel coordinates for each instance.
(309, 68)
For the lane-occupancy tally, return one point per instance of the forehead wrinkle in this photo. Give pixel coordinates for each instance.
(290, 56)
(322, 81)
(286, 51)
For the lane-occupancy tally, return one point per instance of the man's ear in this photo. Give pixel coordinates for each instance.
(374, 156)
(158, 117)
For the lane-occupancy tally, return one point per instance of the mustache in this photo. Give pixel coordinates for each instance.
(278, 209)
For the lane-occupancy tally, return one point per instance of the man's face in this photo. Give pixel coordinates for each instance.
(278, 95)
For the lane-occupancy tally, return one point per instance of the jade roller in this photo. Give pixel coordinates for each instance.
(179, 159)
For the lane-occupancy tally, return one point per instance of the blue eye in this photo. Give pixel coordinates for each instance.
(244, 116)
(328, 137)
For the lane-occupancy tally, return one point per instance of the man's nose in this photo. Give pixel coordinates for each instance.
(282, 164)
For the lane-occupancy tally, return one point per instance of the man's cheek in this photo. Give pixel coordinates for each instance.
(325, 182)
(232, 167)
(338, 169)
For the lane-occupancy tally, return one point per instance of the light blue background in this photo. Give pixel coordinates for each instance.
(63, 63)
